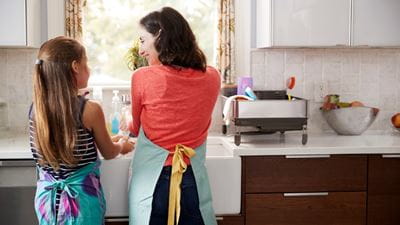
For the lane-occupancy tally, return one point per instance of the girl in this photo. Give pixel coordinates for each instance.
(173, 99)
(65, 132)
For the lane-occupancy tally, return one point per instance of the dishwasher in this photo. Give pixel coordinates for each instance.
(17, 192)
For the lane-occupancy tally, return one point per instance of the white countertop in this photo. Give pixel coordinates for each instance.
(16, 146)
(318, 144)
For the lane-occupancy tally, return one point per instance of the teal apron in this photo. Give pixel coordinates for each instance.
(81, 200)
(147, 164)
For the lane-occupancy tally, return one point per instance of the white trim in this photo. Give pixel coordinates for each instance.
(243, 31)
(55, 18)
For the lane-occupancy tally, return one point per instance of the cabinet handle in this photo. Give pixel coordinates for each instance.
(17, 163)
(117, 219)
(305, 194)
(390, 156)
(219, 218)
(306, 156)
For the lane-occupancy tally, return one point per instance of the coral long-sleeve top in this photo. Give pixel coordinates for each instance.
(173, 106)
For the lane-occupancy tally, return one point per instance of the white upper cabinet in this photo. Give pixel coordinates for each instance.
(20, 23)
(376, 23)
(297, 23)
(327, 23)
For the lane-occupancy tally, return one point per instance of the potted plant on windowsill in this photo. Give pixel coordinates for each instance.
(133, 58)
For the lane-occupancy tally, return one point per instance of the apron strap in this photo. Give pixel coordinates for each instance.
(178, 168)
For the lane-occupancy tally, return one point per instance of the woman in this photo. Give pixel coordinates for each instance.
(172, 103)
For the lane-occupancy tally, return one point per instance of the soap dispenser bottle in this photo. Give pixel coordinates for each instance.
(115, 116)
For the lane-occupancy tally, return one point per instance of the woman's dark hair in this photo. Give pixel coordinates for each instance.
(175, 41)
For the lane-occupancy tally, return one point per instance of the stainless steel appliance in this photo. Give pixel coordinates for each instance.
(273, 111)
(17, 192)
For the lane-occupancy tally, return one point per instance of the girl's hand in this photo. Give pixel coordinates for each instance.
(127, 145)
(116, 138)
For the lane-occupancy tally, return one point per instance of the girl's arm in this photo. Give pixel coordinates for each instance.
(93, 119)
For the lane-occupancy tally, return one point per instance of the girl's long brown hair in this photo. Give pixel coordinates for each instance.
(55, 100)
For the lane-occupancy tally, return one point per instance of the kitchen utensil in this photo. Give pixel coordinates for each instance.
(290, 83)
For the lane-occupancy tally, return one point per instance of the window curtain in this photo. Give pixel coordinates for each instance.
(226, 41)
(73, 18)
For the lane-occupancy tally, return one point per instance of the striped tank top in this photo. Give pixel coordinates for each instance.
(85, 149)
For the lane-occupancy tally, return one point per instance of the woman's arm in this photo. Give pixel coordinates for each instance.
(93, 119)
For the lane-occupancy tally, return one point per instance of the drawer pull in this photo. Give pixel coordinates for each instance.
(17, 163)
(117, 219)
(305, 194)
(390, 156)
(307, 156)
(219, 218)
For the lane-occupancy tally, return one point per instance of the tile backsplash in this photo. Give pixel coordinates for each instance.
(16, 66)
(370, 75)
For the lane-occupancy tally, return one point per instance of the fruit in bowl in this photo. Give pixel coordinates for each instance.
(396, 120)
(356, 104)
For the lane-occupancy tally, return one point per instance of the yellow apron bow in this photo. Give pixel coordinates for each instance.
(178, 168)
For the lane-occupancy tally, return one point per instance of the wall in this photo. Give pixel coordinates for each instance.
(368, 75)
(371, 76)
(16, 67)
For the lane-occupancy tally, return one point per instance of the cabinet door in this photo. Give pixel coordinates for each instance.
(376, 22)
(310, 23)
(383, 190)
(344, 208)
(12, 23)
(117, 223)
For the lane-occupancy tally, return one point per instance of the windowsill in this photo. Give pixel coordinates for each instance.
(110, 87)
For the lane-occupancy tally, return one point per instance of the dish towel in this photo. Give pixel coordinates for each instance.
(228, 105)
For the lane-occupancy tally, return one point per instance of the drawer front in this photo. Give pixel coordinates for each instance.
(344, 208)
(280, 174)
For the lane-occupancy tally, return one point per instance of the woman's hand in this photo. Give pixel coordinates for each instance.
(124, 123)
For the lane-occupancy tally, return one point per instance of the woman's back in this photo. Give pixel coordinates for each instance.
(175, 105)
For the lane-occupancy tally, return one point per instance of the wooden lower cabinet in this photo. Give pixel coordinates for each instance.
(344, 208)
(117, 223)
(230, 220)
(221, 220)
(383, 190)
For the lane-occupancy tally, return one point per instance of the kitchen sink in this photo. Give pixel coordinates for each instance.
(224, 171)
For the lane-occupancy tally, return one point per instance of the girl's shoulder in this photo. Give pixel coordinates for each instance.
(93, 107)
(92, 113)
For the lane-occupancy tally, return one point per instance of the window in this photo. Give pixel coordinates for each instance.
(110, 27)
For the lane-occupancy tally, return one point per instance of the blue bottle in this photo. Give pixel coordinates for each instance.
(115, 114)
